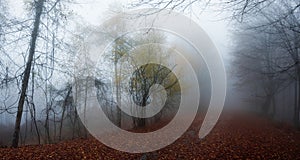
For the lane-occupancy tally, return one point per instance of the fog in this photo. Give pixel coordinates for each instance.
(113, 70)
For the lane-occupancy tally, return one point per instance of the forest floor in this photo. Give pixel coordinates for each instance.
(236, 136)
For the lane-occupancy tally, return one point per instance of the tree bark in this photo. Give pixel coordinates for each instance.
(64, 110)
(118, 96)
(297, 99)
(38, 12)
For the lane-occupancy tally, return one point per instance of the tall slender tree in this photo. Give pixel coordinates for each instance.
(34, 34)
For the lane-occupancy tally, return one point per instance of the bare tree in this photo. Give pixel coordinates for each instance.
(288, 33)
(41, 59)
(273, 50)
(240, 9)
(256, 66)
(39, 8)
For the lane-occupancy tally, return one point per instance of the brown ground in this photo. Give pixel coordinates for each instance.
(236, 136)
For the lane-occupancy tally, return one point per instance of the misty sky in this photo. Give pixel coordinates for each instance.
(94, 12)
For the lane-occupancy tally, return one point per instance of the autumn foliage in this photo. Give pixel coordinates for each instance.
(236, 136)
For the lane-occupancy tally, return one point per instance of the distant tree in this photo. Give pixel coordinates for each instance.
(255, 66)
(273, 48)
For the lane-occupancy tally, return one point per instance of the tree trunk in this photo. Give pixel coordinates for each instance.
(118, 96)
(38, 12)
(142, 121)
(33, 117)
(297, 99)
(32, 110)
(63, 112)
(266, 105)
(273, 107)
(46, 125)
